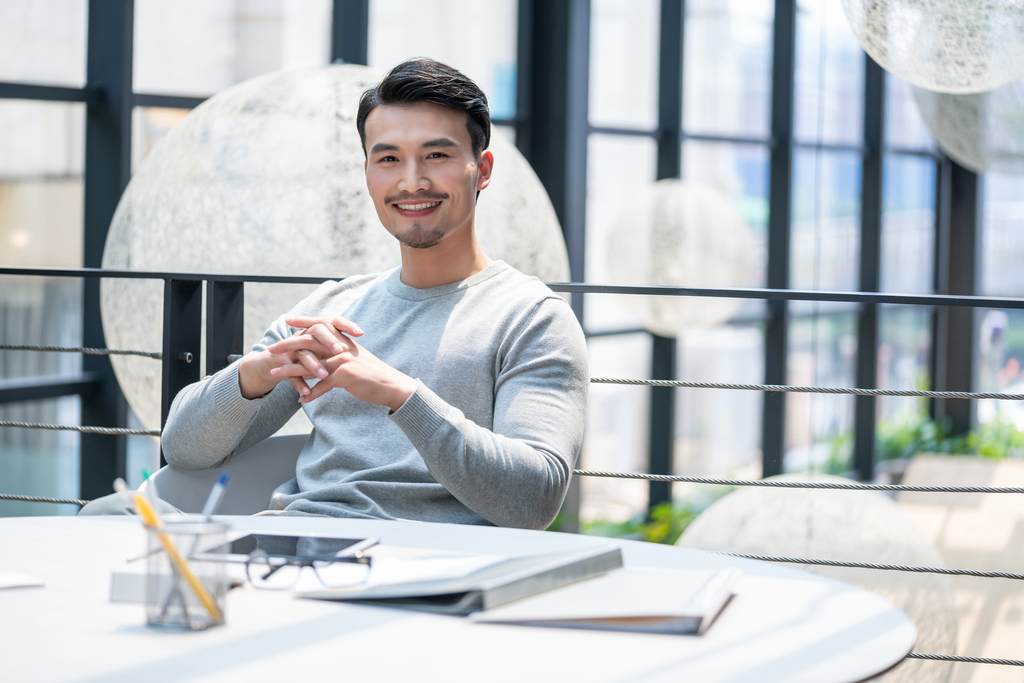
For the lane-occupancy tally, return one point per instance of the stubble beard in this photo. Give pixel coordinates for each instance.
(418, 238)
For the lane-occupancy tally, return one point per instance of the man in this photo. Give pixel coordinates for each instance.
(451, 389)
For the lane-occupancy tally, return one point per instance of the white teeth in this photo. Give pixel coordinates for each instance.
(417, 207)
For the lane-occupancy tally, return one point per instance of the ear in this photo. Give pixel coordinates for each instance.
(484, 167)
(364, 165)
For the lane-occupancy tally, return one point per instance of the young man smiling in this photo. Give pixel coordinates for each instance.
(451, 389)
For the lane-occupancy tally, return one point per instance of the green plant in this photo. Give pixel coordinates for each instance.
(666, 522)
(996, 440)
(901, 439)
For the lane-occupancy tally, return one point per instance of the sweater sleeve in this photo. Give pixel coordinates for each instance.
(517, 473)
(210, 421)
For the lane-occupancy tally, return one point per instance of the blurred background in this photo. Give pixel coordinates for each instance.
(774, 104)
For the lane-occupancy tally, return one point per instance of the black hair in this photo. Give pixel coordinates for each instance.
(425, 80)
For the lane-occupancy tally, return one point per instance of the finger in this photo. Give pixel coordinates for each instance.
(316, 392)
(292, 370)
(347, 326)
(300, 386)
(339, 323)
(326, 335)
(309, 360)
(298, 342)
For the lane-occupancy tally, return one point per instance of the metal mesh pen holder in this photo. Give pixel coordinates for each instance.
(185, 580)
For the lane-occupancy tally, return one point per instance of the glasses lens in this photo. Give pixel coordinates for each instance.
(339, 574)
(266, 576)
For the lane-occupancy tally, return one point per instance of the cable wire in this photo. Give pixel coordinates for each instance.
(967, 660)
(76, 428)
(43, 499)
(886, 567)
(81, 349)
(782, 484)
(807, 390)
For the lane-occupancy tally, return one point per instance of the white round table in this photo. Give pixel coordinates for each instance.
(782, 624)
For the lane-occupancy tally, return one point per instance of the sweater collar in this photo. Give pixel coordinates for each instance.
(404, 291)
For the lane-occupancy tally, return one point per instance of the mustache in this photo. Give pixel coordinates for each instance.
(424, 196)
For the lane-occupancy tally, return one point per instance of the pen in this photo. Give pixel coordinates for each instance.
(151, 490)
(216, 496)
(356, 549)
(152, 521)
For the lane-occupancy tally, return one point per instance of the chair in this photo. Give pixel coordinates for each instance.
(255, 473)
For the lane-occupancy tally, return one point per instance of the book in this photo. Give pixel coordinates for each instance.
(482, 583)
(643, 600)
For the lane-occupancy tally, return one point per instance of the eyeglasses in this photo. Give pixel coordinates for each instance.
(273, 572)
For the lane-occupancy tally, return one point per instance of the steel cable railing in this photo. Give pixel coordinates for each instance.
(81, 349)
(851, 297)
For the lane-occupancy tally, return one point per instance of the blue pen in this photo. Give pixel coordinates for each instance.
(151, 489)
(216, 495)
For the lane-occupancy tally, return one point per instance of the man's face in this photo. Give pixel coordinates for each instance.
(421, 172)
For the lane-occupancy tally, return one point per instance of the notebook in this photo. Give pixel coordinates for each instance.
(644, 600)
(495, 581)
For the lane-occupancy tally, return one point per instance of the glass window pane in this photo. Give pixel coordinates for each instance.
(822, 352)
(41, 208)
(718, 431)
(41, 152)
(34, 462)
(624, 63)
(618, 167)
(908, 224)
(1000, 355)
(727, 63)
(741, 171)
(1000, 338)
(825, 237)
(203, 46)
(829, 75)
(904, 126)
(1003, 235)
(904, 349)
(483, 48)
(617, 428)
(43, 42)
(41, 139)
(149, 126)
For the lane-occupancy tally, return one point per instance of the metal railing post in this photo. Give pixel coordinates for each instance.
(183, 319)
(107, 169)
(870, 268)
(773, 421)
(225, 317)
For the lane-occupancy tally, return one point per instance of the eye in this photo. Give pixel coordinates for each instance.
(387, 158)
(436, 155)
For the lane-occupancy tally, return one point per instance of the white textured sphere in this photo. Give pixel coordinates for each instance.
(851, 526)
(266, 177)
(681, 234)
(951, 46)
(982, 132)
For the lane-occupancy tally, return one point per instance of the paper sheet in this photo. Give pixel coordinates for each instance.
(16, 580)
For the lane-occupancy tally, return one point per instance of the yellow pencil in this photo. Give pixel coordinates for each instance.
(152, 521)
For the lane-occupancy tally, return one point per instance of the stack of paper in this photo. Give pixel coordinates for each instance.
(645, 600)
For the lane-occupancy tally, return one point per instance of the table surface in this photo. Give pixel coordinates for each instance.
(782, 625)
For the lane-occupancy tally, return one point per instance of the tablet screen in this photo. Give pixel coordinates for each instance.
(290, 546)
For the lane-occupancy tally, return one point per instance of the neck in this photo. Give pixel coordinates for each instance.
(454, 259)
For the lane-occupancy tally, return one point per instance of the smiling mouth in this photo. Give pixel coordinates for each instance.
(422, 206)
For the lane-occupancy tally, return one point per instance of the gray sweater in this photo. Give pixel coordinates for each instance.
(490, 436)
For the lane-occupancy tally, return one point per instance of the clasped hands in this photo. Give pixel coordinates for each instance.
(324, 349)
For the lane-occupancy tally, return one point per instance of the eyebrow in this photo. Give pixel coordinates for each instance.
(441, 142)
(437, 142)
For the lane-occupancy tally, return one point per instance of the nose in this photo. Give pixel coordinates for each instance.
(413, 177)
